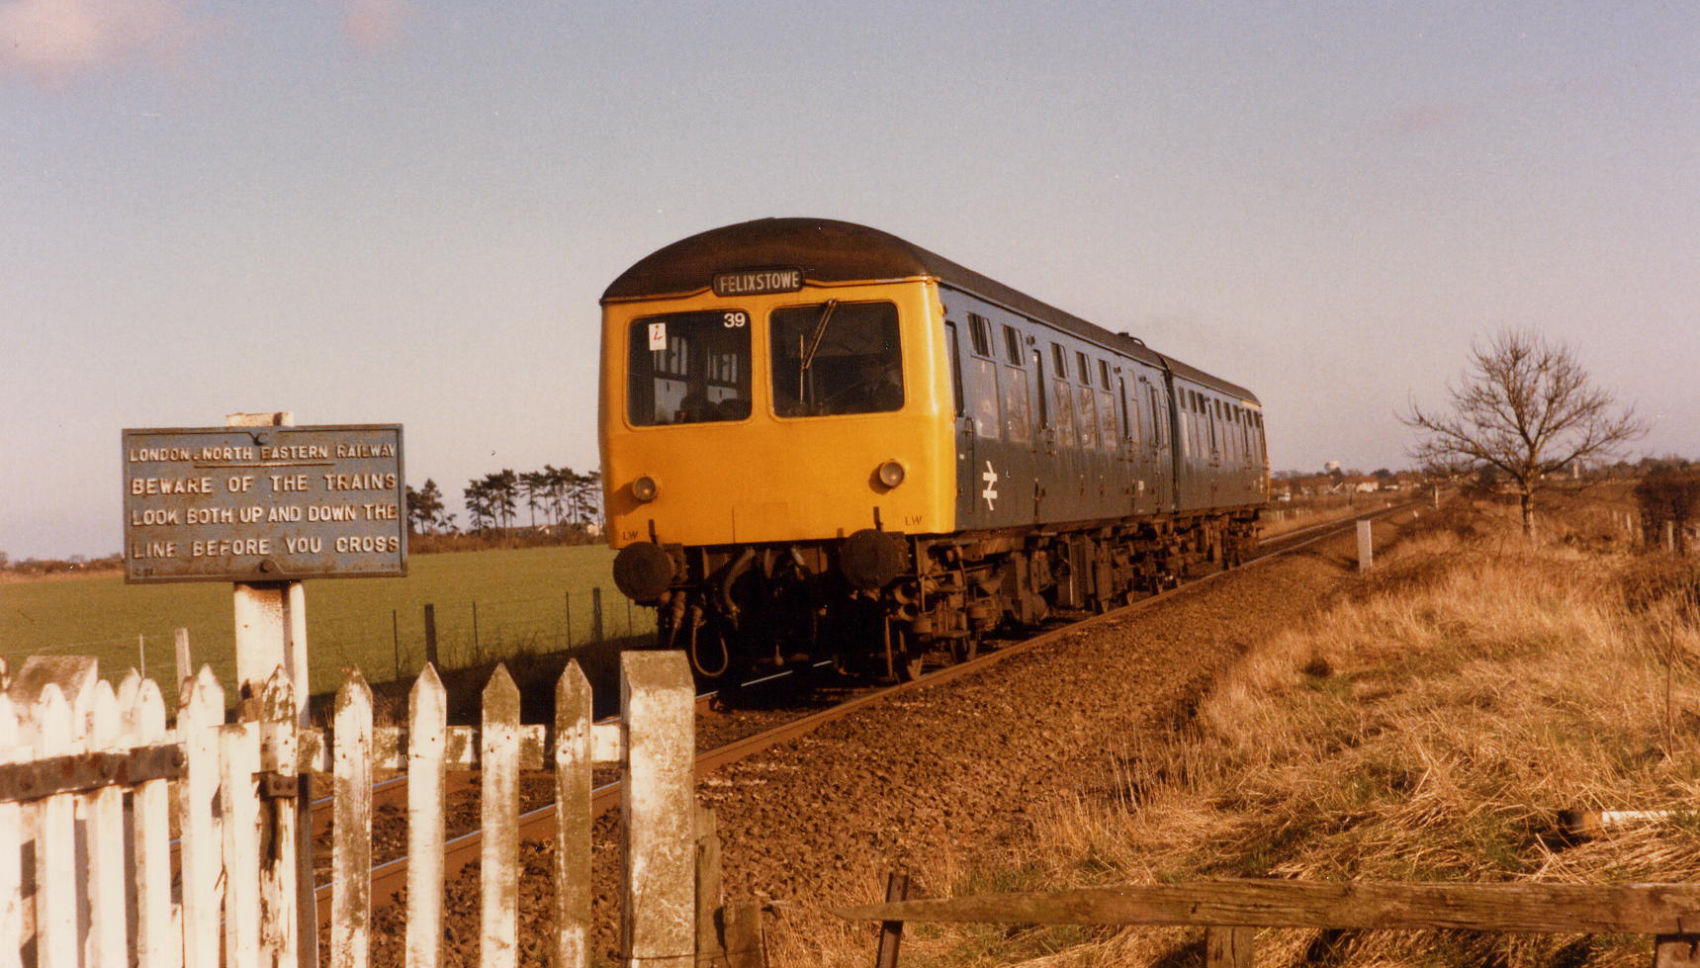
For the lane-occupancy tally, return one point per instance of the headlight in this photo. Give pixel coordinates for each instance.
(644, 489)
(891, 473)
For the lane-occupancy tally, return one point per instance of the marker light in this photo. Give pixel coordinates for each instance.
(644, 489)
(891, 473)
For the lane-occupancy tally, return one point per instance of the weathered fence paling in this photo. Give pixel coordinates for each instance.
(1231, 910)
(234, 790)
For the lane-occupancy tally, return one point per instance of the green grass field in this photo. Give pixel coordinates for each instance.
(521, 598)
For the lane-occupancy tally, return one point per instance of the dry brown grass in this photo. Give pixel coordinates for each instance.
(1429, 726)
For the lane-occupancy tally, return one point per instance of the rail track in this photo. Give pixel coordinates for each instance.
(462, 851)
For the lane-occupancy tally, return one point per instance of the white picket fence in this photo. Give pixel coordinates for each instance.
(94, 784)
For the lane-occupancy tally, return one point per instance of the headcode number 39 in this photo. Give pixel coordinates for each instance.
(735, 320)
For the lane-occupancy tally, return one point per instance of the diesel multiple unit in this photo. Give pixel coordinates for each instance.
(821, 441)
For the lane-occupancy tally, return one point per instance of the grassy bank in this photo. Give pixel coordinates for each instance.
(1428, 726)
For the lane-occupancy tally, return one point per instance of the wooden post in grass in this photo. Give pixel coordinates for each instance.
(185, 668)
(1366, 547)
(431, 635)
(596, 614)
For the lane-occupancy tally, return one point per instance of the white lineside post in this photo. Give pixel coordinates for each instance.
(271, 631)
(1366, 547)
(658, 733)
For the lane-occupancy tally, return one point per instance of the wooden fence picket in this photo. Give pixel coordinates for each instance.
(11, 847)
(56, 901)
(351, 848)
(157, 943)
(109, 936)
(278, 756)
(199, 719)
(427, 718)
(499, 865)
(572, 818)
(239, 799)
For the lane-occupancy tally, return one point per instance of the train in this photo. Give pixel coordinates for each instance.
(821, 443)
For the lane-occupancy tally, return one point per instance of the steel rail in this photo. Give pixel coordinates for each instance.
(464, 850)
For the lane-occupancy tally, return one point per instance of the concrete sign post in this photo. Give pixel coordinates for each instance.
(264, 504)
(1366, 547)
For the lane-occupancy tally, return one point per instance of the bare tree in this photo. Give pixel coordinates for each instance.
(1525, 408)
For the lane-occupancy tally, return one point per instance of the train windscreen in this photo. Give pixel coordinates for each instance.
(836, 358)
(689, 368)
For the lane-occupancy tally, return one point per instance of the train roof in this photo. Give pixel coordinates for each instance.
(831, 251)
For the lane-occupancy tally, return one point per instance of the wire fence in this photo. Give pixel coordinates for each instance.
(392, 643)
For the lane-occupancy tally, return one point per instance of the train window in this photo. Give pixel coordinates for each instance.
(980, 331)
(1059, 363)
(836, 358)
(955, 363)
(1012, 345)
(1107, 434)
(1088, 414)
(688, 368)
(1063, 398)
(1017, 429)
(1044, 402)
(1080, 367)
(1104, 374)
(983, 397)
(1156, 412)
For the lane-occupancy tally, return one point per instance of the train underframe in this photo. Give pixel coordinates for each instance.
(885, 604)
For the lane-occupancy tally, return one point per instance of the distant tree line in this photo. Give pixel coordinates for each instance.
(560, 494)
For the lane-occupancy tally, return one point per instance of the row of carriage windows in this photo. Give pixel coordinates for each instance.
(1087, 406)
(831, 358)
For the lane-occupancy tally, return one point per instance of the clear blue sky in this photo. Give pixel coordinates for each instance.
(401, 211)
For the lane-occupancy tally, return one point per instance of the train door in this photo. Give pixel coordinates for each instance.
(1156, 454)
(964, 431)
(1045, 439)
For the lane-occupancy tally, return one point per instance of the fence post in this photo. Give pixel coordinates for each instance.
(1228, 946)
(891, 932)
(477, 650)
(572, 818)
(711, 945)
(567, 600)
(1366, 547)
(499, 861)
(431, 635)
(351, 848)
(185, 668)
(596, 614)
(427, 718)
(658, 733)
